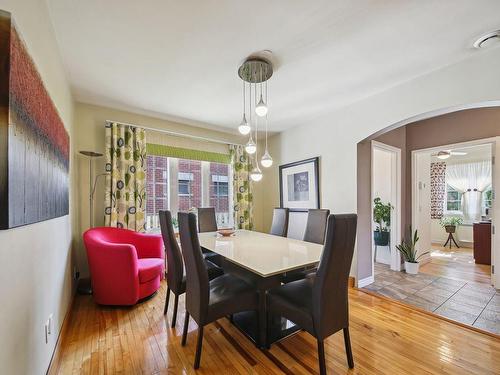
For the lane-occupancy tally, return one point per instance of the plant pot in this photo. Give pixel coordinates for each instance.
(381, 238)
(411, 268)
(450, 228)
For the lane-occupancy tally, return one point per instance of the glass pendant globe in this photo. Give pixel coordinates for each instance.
(266, 160)
(261, 108)
(244, 127)
(256, 174)
(251, 147)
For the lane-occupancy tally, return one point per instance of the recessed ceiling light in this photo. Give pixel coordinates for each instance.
(488, 40)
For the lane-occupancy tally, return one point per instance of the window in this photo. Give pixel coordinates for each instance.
(156, 185)
(182, 184)
(185, 183)
(453, 199)
(487, 197)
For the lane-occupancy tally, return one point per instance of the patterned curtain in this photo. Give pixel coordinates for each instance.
(242, 188)
(125, 195)
(438, 189)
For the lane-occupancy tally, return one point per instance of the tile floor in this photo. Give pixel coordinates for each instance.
(466, 302)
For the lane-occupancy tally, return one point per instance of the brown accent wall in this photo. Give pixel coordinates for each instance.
(451, 128)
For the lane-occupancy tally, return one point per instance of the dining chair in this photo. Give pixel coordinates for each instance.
(315, 232)
(176, 278)
(208, 300)
(279, 226)
(206, 220)
(319, 304)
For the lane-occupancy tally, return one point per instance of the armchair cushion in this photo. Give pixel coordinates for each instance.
(149, 268)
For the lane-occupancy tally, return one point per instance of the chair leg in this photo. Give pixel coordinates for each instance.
(166, 301)
(348, 350)
(197, 358)
(321, 357)
(185, 330)
(174, 315)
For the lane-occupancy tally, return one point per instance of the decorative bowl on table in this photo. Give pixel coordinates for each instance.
(226, 232)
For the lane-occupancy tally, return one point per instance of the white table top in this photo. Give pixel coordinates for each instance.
(262, 253)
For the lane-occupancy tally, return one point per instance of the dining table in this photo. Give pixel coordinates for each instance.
(261, 259)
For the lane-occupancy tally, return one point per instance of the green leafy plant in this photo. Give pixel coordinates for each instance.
(382, 215)
(175, 223)
(450, 221)
(408, 250)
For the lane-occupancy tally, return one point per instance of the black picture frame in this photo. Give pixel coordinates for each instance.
(316, 180)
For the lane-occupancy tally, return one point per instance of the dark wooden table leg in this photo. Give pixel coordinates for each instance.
(262, 319)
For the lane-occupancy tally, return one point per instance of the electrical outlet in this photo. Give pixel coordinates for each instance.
(50, 321)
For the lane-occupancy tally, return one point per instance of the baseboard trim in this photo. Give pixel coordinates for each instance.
(366, 281)
(351, 282)
(55, 361)
(430, 313)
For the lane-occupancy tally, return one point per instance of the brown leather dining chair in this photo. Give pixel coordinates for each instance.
(176, 278)
(206, 220)
(279, 226)
(315, 232)
(319, 304)
(207, 301)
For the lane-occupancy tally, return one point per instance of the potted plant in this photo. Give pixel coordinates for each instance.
(381, 216)
(409, 253)
(450, 223)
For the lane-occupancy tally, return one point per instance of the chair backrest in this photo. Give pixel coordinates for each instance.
(197, 288)
(206, 220)
(330, 304)
(316, 226)
(175, 267)
(279, 226)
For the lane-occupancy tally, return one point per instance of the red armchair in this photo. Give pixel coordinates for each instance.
(125, 266)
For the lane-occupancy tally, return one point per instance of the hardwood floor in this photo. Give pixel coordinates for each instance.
(387, 338)
(457, 264)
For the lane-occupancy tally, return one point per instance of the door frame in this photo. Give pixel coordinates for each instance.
(495, 181)
(395, 236)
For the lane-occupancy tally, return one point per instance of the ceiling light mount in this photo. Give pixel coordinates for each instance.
(488, 39)
(255, 70)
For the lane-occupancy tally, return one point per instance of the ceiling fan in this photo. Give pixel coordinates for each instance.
(445, 154)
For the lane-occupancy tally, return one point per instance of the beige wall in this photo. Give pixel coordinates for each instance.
(89, 135)
(36, 276)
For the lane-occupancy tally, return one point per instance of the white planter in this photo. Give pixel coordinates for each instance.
(411, 267)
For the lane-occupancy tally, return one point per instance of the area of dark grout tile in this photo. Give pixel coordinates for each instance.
(466, 302)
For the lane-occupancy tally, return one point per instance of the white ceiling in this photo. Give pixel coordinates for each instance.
(474, 153)
(179, 59)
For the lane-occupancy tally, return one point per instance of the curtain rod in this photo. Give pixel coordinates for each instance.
(177, 134)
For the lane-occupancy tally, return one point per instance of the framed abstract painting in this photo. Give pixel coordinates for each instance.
(299, 185)
(34, 144)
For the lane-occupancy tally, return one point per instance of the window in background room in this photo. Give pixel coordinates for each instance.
(453, 200)
(487, 196)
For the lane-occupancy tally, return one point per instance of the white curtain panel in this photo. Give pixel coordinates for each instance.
(471, 179)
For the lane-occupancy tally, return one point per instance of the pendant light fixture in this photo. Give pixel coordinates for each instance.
(255, 70)
(256, 173)
(266, 160)
(250, 147)
(244, 127)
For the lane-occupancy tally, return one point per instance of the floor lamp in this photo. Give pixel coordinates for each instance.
(84, 284)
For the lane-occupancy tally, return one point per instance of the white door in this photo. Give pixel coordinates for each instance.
(422, 201)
